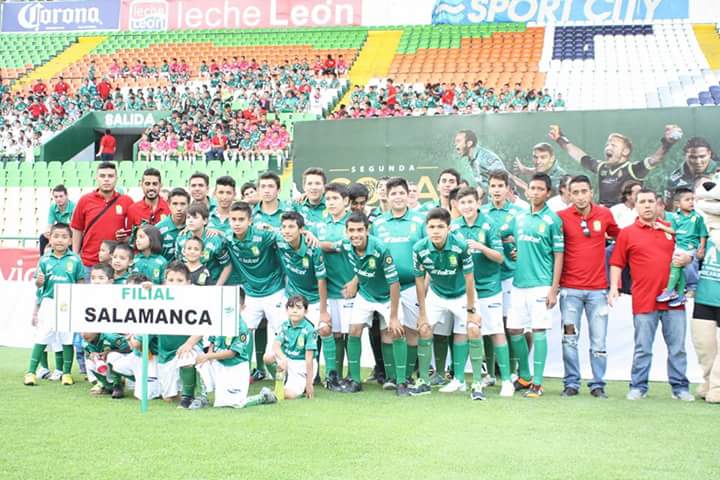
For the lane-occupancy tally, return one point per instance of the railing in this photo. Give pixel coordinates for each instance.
(19, 242)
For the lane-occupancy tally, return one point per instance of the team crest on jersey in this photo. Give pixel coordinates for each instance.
(228, 341)
(388, 260)
(300, 342)
(202, 278)
(118, 209)
(206, 255)
(413, 227)
(156, 272)
(508, 218)
(481, 236)
(69, 267)
(371, 263)
(243, 338)
(597, 225)
(541, 228)
(453, 261)
(306, 262)
(255, 250)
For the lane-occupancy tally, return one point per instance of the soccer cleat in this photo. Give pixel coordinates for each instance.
(185, 402)
(437, 380)
(420, 388)
(98, 389)
(389, 384)
(332, 382)
(535, 391)
(118, 391)
(377, 376)
(521, 384)
(684, 396)
(352, 387)
(258, 375)
(30, 380)
(476, 391)
(507, 389)
(268, 396)
(403, 390)
(455, 385)
(55, 375)
(198, 403)
(67, 379)
(488, 381)
(569, 392)
(666, 296)
(598, 392)
(680, 300)
(43, 373)
(635, 394)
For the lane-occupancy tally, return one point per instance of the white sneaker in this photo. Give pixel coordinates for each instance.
(685, 396)
(455, 385)
(488, 381)
(56, 376)
(43, 373)
(635, 394)
(507, 389)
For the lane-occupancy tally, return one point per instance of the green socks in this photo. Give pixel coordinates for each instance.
(539, 356)
(44, 360)
(441, 345)
(328, 348)
(68, 357)
(460, 356)
(254, 400)
(388, 360)
(676, 281)
(400, 350)
(187, 376)
(58, 360)
(489, 355)
(260, 344)
(339, 354)
(476, 358)
(502, 352)
(272, 368)
(35, 357)
(424, 352)
(412, 356)
(251, 346)
(354, 350)
(520, 350)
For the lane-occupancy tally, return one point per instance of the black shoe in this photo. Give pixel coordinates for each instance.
(118, 391)
(352, 387)
(403, 390)
(598, 392)
(420, 388)
(569, 392)
(185, 402)
(332, 382)
(257, 375)
(317, 380)
(376, 376)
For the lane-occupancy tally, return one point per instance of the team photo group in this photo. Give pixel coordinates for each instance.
(479, 276)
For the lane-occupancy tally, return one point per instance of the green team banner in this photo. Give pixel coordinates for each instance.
(418, 148)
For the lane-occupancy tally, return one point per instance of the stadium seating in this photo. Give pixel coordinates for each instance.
(20, 53)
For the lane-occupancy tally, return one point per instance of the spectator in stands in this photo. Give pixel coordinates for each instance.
(329, 64)
(699, 161)
(104, 88)
(61, 87)
(144, 148)
(107, 147)
(151, 209)
(39, 89)
(61, 211)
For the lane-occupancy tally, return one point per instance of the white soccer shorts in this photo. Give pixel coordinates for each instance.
(297, 375)
(506, 295)
(45, 333)
(169, 374)
(271, 307)
(529, 311)
(446, 315)
(230, 383)
(130, 364)
(341, 313)
(410, 307)
(491, 314)
(363, 311)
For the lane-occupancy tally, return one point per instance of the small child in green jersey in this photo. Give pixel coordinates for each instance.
(122, 259)
(225, 370)
(149, 260)
(60, 266)
(192, 252)
(294, 351)
(690, 237)
(100, 274)
(107, 247)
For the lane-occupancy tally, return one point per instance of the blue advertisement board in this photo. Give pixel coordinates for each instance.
(556, 11)
(62, 16)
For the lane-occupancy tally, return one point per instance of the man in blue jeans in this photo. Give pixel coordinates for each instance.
(648, 246)
(583, 284)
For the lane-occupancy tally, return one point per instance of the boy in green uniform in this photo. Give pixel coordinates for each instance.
(149, 260)
(97, 348)
(486, 248)
(450, 304)
(121, 263)
(540, 246)
(312, 207)
(399, 229)
(215, 256)
(690, 237)
(59, 266)
(224, 196)
(294, 353)
(268, 210)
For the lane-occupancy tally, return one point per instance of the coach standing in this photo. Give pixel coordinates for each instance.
(100, 215)
(108, 145)
(583, 284)
(648, 249)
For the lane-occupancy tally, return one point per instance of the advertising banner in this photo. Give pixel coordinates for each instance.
(61, 16)
(157, 15)
(551, 11)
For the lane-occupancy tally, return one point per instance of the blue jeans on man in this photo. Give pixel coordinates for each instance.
(674, 324)
(594, 303)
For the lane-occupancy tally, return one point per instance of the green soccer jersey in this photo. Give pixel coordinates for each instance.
(56, 216)
(216, 223)
(538, 236)
(400, 234)
(214, 256)
(122, 278)
(169, 233)
(168, 345)
(314, 215)
(303, 268)
(689, 229)
(447, 266)
(271, 220)
(375, 269)
(152, 266)
(107, 342)
(503, 219)
(708, 289)
(487, 272)
(65, 269)
(257, 261)
(337, 264)
(295, 340)
(239, 344)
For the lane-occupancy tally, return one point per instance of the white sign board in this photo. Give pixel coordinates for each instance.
(161, 310)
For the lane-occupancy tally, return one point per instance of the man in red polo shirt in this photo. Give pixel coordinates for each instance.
(62, 87)
(39, 89)
(104, 88)
(106, 151)
(647, 246)
(152, 208)
(392, 91)
(37, 109)
(92, 223)
(583, 284)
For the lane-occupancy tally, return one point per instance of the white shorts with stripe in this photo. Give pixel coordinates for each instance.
(297, 375)
(529, 310)
(446, 315)
(230, 383)
(491, 314)
(340, 310)
(410, 307)
(271, 307)
(129, 364)
(506, 296)
(363, 311)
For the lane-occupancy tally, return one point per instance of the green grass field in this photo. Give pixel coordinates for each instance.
(51, 431)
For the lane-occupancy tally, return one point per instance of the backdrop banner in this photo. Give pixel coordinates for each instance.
(60, 16)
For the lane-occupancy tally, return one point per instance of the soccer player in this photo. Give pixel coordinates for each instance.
(269, 209)
(378, 292)
(312, 207)
(192, 252)
(149, 260)
(249, 194)
(171, 226)
(450, 304)
(59, 266)
(399, 229)
(447, 180)
(61, 211)
(483, 239)
(200, 189)
(215, 256)
(539, 237)
(544, 161)
(224, 196)
(480, 160)
(97, 348)
(121, 263)
(294, 353)
(698, 162)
